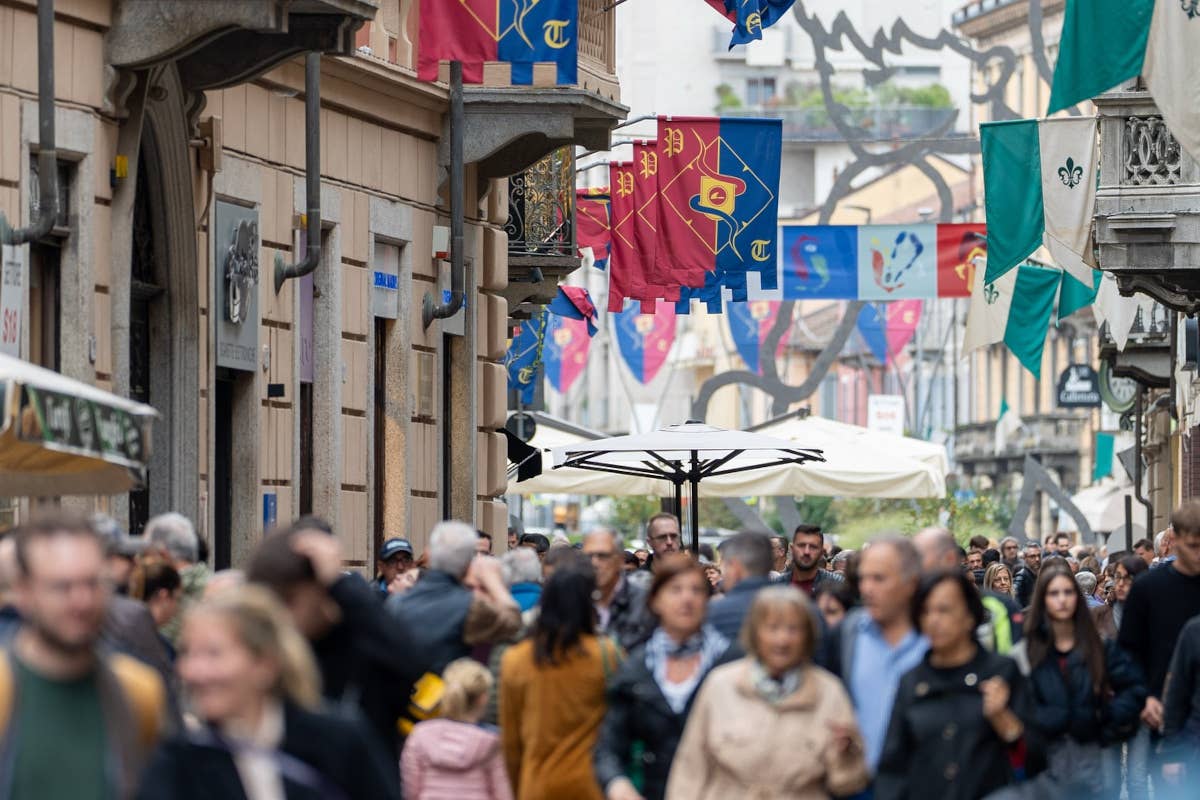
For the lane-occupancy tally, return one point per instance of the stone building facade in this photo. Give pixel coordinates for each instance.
(181, 142)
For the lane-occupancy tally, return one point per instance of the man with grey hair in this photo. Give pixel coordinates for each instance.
(459, 603)
(877, 643)
(620, 598)
(523, 573)
(1010, 553)
(1087, 584)
(937, 548)
(175, 534)
(746, 561)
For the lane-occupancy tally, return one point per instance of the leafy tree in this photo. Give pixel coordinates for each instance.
(629, 515)
(727, 98)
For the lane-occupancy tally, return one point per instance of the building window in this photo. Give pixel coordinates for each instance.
(760, 91)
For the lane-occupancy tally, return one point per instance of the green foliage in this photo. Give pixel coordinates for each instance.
(715, 514)
(630, 514)
(809, 95)
(727, 98)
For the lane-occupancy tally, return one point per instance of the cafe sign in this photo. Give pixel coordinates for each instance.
(1079, 387)
(81, 426)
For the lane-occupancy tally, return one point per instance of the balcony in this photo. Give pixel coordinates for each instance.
(221, 44)
(541, 231)
(1147, 354)
(1147, 203)
(1054, 439)
(886, 124)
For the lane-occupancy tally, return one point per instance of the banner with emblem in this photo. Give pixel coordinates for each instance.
(524, 357)
(565, 351)
(749, 324)
(593, 238)
(958, 245)
(750, 17)
(645, 340)
(626, 271)
(718, 185)
(521, 32)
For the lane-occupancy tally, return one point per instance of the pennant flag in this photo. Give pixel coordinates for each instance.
(820, 262)
(749, 17)
(521, 32)
(1102, 462)
(718, 182)
(592, 235)
(645, 234)
(1107, 42)
(749, 324)
(1014, 309)
(565, 351)
(897, 262)
(1118, 312)
(1039, 179)
(574, 302)
(645, 339)
(626, 276)
(872, 327)
(1075, 295)
(525, 355)
(888, 331)
(958, 245)
(1007, 424)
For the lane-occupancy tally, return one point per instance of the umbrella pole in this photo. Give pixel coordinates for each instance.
(679, 500)
(695, 486)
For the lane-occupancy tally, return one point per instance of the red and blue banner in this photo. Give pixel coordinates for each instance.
(645, 339)
(749, 17)
(575, 303)
(565, 352)
(626, 270)
(718, 185)
(659, 283)
(521, 32)
(593, 238)
(749, 324)
(887, 329)
(877, 262)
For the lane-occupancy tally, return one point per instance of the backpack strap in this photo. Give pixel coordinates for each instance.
(145, 695)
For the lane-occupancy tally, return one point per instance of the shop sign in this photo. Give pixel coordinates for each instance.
(385, 281)
(1079, 387)
(76, 425)
(12, 299)
(885, 413)
(237, 277)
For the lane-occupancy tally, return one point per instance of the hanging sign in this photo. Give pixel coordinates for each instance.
(885, 412)
(12, 299)
(1079, 387)
(237, 275)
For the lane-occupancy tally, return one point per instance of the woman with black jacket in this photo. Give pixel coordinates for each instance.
(1087, 693)
(650, 696)
(252, 680)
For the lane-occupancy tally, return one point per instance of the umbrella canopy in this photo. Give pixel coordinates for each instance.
(60, 436)
(689, 453)
(569, 480)
(1103, 505)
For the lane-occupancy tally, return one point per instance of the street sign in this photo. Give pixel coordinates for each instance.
(12, 299)
(522, 425)
(885, 412)
(1079, 387)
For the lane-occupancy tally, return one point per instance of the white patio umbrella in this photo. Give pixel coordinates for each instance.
(569, 480)
(689, 453)
(60, 436)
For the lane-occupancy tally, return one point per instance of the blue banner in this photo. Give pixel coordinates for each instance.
(524, 357)
(820, 262)
(872, 326)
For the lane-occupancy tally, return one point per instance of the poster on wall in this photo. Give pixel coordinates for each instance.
(236, 276)
(12, 298)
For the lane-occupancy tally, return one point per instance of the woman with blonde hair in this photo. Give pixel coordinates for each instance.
(454, 757)
(252, 680)
(999, 579)
(774, 694)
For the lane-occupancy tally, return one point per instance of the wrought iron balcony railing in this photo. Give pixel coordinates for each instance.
(541, 208)
(1040, 434)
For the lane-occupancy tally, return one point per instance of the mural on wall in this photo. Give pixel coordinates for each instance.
(236, 259)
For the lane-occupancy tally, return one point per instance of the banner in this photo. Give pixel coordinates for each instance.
(645, 201)
(749, 17)
(876, 262)
(645, 339)
(887, 329)
(592, 221)
(524, 356)
(521, 32)
(565, 351)
(718, 184)
(626, 275)
(749, 324)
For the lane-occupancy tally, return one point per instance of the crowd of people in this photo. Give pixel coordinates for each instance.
(771, 668)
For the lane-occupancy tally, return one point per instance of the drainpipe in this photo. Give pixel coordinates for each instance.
(312, 176)
(47, 211)
(431, 310)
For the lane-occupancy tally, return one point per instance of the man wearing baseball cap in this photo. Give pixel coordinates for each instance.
(395, 557)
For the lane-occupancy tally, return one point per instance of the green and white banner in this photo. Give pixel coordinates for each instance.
(1107, 42)
(1039, 179)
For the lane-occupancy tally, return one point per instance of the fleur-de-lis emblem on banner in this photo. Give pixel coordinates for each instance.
(991, 294)
(1070, 173)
